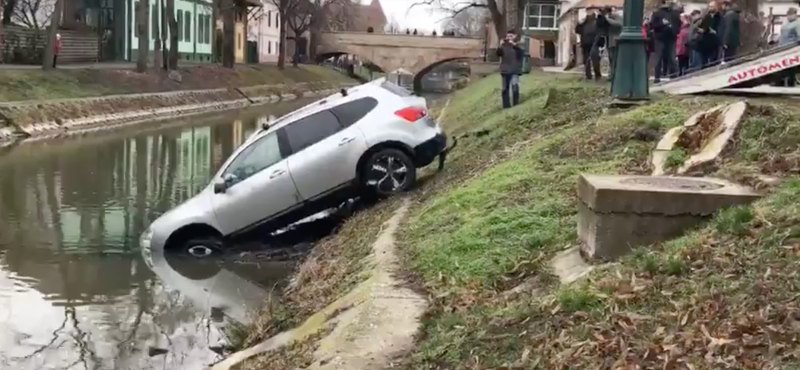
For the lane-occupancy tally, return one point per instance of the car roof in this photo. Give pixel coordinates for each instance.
(353, 93)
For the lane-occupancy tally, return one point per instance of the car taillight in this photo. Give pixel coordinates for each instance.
(411, 114)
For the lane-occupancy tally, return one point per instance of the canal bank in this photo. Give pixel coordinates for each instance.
(27, 120)
(75, 290)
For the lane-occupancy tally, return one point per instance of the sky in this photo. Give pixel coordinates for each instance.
(420, 17)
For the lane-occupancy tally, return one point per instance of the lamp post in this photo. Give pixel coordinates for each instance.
(630, 84)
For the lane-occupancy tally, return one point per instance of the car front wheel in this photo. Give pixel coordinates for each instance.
(389, 171)
(201, 248)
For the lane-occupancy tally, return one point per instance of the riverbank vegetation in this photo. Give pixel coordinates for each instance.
(480, 235)
(77, 83)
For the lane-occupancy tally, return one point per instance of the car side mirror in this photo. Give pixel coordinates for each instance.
(220, 186)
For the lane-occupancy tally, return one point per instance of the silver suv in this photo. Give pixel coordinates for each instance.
(368, 140)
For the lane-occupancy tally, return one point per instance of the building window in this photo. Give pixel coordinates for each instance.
(277, 20)
(187, 28)
(269, 19)
(209, 29)
(540, 16)
(239, 41)
(180, 25)
(269, 47)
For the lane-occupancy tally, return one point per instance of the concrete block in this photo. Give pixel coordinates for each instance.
(616, 213)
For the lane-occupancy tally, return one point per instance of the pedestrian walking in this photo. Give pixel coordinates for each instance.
(56, 49)
(510, 55)
(587, 29)
(731, 31)
(665, 33)
(681, 45)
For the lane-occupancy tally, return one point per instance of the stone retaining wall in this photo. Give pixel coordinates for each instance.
(33, 120)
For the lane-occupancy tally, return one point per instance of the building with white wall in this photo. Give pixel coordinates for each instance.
(264, 28)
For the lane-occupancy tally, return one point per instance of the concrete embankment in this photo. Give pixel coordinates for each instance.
(40, 119)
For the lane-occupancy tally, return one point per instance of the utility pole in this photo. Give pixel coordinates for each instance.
(630, 84)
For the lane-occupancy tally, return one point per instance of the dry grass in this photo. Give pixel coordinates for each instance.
(77, 83)
(334, 267)
(721, 297)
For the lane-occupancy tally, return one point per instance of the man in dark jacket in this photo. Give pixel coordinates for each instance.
(731, 32)
(709, 35)
(664, 33)
(510, 67)
(610, 26)
(587, 29)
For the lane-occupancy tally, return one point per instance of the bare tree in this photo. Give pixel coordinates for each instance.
(157, 56)
(286, 10)
(33, 13)
(470, 22)
(392, 27)
(142, 15)
(47, 61)
(163, 25)
(341, 15)
(299, 22)
(173, 35)
(497, 12)
(2, 31)
(752, 26)
(227, 8)
(8, 10)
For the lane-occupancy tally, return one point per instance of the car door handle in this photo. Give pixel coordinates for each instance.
(346, 140)
(276, 173)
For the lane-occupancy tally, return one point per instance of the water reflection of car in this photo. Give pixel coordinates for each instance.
(234, 289)
(368, 140)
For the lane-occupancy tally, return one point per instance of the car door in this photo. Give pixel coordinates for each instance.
(258, 187)
(324, 153)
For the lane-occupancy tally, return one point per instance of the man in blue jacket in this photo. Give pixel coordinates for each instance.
(510, 67)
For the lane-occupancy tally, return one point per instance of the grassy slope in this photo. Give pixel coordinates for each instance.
(507, 203)
(76, 83)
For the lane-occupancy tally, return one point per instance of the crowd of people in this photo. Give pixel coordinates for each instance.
(678, 42)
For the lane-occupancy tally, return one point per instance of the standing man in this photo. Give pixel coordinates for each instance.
(708, 29)
(731, 32)
(610, 26)
(587, 29)
(665, 34)
(510, 67)
(790, 33)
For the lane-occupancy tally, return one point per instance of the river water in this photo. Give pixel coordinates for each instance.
(74, 291)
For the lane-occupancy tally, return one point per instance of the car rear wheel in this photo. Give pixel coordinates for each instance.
(387, 172)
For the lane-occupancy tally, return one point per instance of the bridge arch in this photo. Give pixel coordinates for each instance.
(425, 70)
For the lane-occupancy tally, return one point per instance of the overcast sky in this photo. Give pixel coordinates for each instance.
(420, 17)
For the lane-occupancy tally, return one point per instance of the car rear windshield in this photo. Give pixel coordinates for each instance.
(396, 89)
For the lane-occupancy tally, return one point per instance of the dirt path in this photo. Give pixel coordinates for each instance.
(372, 325)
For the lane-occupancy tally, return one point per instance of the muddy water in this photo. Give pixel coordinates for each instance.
(74, 291)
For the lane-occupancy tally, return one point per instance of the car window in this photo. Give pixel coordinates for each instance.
(310, 130)
(396, 89)
(352, 111)
(261, 154)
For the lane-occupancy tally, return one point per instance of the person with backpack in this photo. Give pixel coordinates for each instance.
(790, 33)
(665, 34)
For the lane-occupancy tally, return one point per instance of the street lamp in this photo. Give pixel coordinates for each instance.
(630, 84)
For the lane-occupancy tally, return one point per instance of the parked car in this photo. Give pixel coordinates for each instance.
(368, 141)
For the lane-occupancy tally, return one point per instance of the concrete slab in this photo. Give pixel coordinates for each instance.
(569, 265)
(616, 213)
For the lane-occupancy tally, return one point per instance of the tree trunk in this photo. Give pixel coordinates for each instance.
(173, 35)
(47, 61)
(2, 32)
(227, 34)
(164, 49)
(315, 31)
(750, 26)
(8, 10)
(498, 19)
(511, 13)
(157, 37)
(142, 32)
(214, 17)
(282, 43)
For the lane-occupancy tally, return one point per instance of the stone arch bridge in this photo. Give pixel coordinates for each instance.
(414, 53)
